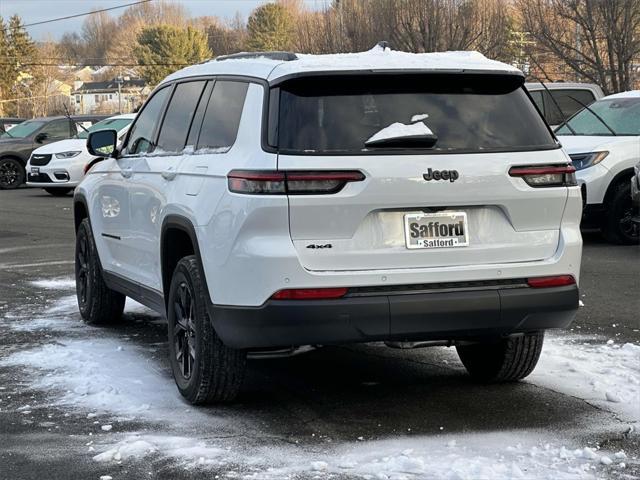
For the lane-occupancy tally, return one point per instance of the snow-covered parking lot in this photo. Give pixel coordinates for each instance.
(115, 383)
(83, 402)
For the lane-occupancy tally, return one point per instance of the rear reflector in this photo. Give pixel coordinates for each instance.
(310, 294)
(548, 282)
(290, 182)
(547, 175)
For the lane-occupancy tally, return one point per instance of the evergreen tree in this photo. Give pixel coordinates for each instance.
(162, 49)
(270, 27)
(5, 76)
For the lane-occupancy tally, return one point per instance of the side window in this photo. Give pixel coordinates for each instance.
(57, 129)
(537, 98)
(142, 131)
(222, 117)
(175, 127)
(568, 105)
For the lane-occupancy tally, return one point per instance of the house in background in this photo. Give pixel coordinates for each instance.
(123, 94)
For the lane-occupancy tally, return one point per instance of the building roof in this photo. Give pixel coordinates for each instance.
(378, 59)
(109, 86)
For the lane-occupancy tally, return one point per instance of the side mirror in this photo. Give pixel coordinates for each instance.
(41, 137)
(102, 143)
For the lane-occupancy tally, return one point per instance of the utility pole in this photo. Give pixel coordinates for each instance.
(119, 81)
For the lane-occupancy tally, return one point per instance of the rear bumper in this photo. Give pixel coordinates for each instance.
(449, 315)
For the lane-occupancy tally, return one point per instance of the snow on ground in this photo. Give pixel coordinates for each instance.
(116, 381)
(605, 374)
(62, 283)
(495, 456)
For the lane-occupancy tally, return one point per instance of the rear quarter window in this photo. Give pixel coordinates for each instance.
(222, 116)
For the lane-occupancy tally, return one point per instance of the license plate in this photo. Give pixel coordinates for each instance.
(436, 230)
(35, 170)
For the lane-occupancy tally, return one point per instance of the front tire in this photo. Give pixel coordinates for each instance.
(98, 304)
(58, 192)
(12, 174)
(205, 370)
(504, 360)
(619, 226)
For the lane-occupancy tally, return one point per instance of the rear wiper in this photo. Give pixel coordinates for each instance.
(412, 141)
(587, 107)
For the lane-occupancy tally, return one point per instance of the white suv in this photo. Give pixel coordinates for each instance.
(265, 201)
(603, 140)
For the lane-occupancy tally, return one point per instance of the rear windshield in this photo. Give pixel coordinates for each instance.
(462, 113)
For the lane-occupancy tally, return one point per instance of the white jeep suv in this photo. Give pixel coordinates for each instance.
(273, 200)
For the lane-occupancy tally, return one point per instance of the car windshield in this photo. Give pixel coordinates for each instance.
(622, 115)
(116, 124)
(23, 130)
(470, 113)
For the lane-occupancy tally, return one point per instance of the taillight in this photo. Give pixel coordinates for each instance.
(546, 176)
(310, 294)
(290, 182)
(548, 282)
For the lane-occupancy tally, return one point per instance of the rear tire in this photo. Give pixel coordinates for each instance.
(58, 192)
(505, 360)
(205, 370)
(98, 304)
(12, 173)
(618, 226)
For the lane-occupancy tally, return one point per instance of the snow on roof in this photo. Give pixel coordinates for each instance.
(376, 59)
(628, 94)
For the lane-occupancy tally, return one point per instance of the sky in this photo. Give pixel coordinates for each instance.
(33, 11)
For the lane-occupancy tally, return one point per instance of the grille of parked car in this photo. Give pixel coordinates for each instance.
(39, 178)
(40, 159)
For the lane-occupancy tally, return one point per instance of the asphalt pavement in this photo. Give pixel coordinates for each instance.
(344, 394)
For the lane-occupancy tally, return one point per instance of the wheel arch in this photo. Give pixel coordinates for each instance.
(14, 156)
(80, 210)
(620, 178)
(178, 239)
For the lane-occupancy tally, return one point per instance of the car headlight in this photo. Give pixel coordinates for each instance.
(586, 160)
(68, 154)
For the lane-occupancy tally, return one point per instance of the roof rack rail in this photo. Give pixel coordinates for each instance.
(282, 56)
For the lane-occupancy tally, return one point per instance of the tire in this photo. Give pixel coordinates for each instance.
(505, 360)
(12, 173)
(205, 370)
(98, 304)
(618, 226)
(58, 192)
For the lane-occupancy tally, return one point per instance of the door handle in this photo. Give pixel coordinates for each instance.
(126, 172)
(169, 174)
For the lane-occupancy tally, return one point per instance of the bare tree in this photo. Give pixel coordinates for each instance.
(597, 39)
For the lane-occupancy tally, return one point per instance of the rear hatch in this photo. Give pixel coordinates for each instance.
(435, 151)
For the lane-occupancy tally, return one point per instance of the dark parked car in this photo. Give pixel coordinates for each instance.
(7, 122)
(17, 144)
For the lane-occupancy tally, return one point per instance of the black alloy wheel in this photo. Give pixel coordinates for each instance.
(184, 330)
(11, 174)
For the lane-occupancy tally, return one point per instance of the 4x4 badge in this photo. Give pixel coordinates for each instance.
(451, 175)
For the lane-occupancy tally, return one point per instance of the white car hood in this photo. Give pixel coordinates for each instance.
(596, 143)
(69, 145)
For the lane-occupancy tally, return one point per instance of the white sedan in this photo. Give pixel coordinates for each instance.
(59, 167)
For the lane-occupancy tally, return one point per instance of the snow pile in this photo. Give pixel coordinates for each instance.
(475, 456)
(605, 375)
(101, 375)
(400, 130)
